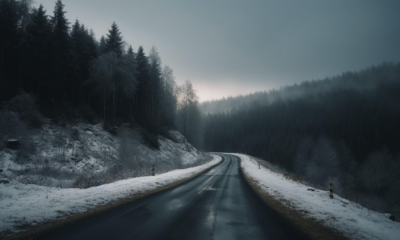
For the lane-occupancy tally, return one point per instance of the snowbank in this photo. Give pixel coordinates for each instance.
(31, 204)
(355, 221)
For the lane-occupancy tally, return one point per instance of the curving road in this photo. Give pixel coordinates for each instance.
(215, 205)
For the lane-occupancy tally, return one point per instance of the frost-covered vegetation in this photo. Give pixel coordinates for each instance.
(26, 205)
(79, 154)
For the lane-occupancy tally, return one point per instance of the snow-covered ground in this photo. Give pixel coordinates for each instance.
(26, 203)
(355, 221)
(60, 155)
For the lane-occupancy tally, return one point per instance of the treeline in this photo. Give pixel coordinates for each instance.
(73, 75)
(363, 80)
(349, 135)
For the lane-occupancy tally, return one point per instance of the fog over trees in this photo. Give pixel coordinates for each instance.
(343, 129)
(362, 80)
(73, 75)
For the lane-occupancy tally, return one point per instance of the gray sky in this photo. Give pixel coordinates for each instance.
(229, 47)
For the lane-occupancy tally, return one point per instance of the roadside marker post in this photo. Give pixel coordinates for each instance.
(330, 190)
(286, 175)
(152, 170)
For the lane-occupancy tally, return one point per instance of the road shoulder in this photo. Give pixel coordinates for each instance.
(314, 228)
(34, 232)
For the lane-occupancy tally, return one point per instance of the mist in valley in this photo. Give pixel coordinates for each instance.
(342, 130)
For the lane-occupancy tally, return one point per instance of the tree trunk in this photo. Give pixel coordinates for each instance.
(72, 93)
(80, 90)
(151, 117)
(38, 87)
(2, 61)
(104, 106)
(20, 64)
(113, 107)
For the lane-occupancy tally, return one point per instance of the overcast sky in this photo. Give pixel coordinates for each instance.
(229, 47)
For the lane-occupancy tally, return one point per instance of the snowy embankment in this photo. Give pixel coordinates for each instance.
(353, 220)
(57, 156)
(32, 204)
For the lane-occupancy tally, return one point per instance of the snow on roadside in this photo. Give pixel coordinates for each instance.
(27, 203)
(355, 221)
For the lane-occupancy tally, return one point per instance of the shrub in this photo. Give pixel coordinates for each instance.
(59, 110)
(86, 113)
(11, 126)
(25, 107)
(27, 149)
(380, 173)
(150, 140)
(73, 133)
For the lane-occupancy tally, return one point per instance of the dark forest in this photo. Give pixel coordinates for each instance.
(70, 75)
(343, 129)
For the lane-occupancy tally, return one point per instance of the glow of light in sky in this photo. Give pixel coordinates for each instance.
(231, 47)
(217, 90)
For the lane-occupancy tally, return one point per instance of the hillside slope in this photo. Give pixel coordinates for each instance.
(58, 171)
(85, 155)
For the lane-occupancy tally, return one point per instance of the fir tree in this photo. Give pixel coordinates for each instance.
(169, 101)
(102, 45)
(112, 76)
(130, 51)
(114, 41)
(142, 108)
(155, 91)
(9, 18)
(64, 62)
(25, 7)
(37, 54)
(85, 51)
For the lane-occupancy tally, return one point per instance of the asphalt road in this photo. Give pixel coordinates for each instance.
(215, 205)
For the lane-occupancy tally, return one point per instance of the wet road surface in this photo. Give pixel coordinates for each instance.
(215, 205)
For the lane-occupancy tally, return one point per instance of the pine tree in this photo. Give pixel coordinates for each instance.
(85, 51)
(37, 54)
(142, 108)
(25, 10)
(112, 76)
(169, 101)
(102, 45)
(9, 38)
(126, 101)
(130, 51)
(93, 54)
(114, 40)
(155, 91)
(64, 63)
(78, 45)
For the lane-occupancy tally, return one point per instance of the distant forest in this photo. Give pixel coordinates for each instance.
(362, 80)
(344, 129)
(72, 75)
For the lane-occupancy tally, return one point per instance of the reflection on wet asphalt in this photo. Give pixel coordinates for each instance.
(215, 205)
